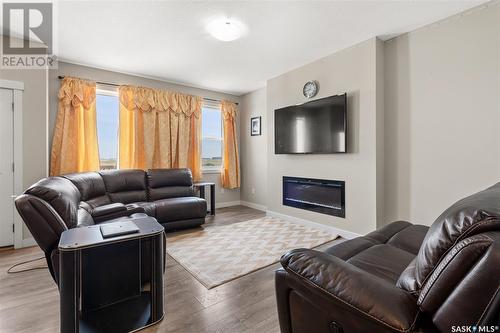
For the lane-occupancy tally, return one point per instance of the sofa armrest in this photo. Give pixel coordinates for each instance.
(351, 288)
(114, 210)
(108, 209)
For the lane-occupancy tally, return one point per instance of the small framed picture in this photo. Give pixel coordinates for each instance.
(255, 126)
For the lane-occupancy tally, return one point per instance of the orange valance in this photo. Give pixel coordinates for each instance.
(77, 92)
(147, 99)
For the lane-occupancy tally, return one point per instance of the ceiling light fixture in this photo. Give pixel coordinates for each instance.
(226, 29)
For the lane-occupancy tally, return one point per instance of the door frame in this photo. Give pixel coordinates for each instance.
(17, 88)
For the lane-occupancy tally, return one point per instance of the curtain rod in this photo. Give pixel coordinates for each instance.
(60, 77)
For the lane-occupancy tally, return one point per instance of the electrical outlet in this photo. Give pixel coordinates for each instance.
(253, 190)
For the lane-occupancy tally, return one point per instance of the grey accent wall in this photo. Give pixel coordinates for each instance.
(442, 114)
(424, 120)
(67, 69)
(254, 149)
(353, 71)
(380, 137)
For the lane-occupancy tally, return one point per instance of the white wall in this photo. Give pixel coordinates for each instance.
(253, 149)
(442, 120)
(34, 120)
(67, 69)
(34, 123)
(353, 71)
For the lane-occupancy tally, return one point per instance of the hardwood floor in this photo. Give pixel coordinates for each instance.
(29, 301)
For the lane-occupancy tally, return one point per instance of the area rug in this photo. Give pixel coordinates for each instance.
(219, 254)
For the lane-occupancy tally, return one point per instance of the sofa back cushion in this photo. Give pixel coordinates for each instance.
(169, 183)
(470, 216)
(61, 195)
(91, 187)
(125, 186)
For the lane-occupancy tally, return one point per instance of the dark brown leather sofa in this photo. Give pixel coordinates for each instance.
(402, 277)
(55, 204)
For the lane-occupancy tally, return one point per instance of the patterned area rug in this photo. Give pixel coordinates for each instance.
(220, 254)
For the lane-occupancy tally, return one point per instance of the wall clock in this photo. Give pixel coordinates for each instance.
(310, 89)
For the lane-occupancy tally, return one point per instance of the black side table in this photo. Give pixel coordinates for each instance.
(201, 187)
(113, 284)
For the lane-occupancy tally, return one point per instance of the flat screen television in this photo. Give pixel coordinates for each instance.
(316, 127)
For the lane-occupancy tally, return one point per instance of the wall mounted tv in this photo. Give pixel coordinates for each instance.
(316, 127)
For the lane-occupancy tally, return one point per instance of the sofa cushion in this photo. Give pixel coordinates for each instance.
(169, 183)
(396, 234)
(385, 252)
(170, 192)
(91, 187)
(169, 177)
(90, 184)
(388, 231)
(61, 194)
(125, 186)
(475, 214)
(174, 209)
(383, 260)
(149, 207)
(350, 248)
(409, 239)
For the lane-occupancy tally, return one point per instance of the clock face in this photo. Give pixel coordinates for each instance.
(310, 89)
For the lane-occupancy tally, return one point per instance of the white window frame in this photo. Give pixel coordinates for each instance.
(106, 90)
(205, 169)
(111, 91)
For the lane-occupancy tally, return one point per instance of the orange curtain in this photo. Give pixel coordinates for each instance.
(74, 143)
(230, 173)
(159, 129)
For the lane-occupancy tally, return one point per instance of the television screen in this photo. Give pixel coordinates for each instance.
(316, 127)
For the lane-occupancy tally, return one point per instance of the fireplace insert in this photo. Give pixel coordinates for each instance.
(317, 195)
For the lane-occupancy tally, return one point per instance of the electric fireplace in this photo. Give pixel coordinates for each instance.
(317, 195)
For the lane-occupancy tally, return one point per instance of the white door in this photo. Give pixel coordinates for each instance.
(6, 167)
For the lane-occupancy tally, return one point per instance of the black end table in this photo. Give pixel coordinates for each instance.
(113, 284)
(201, 187)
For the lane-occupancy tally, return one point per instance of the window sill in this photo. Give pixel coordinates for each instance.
(210, 171)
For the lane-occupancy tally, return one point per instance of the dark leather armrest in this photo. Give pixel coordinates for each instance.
(371, 297)
(108, 209)
(115, 210)
(134, 209)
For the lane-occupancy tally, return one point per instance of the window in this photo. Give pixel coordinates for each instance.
(211, 133)
(107, 118)
(107, 108)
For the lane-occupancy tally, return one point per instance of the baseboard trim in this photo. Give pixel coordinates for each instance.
(27, 242)
(227, 204)
(343, 233)
(253, 205)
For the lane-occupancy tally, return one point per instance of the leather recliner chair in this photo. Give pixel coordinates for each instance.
(402, 277)
(55, 204)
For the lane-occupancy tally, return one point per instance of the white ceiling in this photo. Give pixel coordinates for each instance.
(168, 40)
